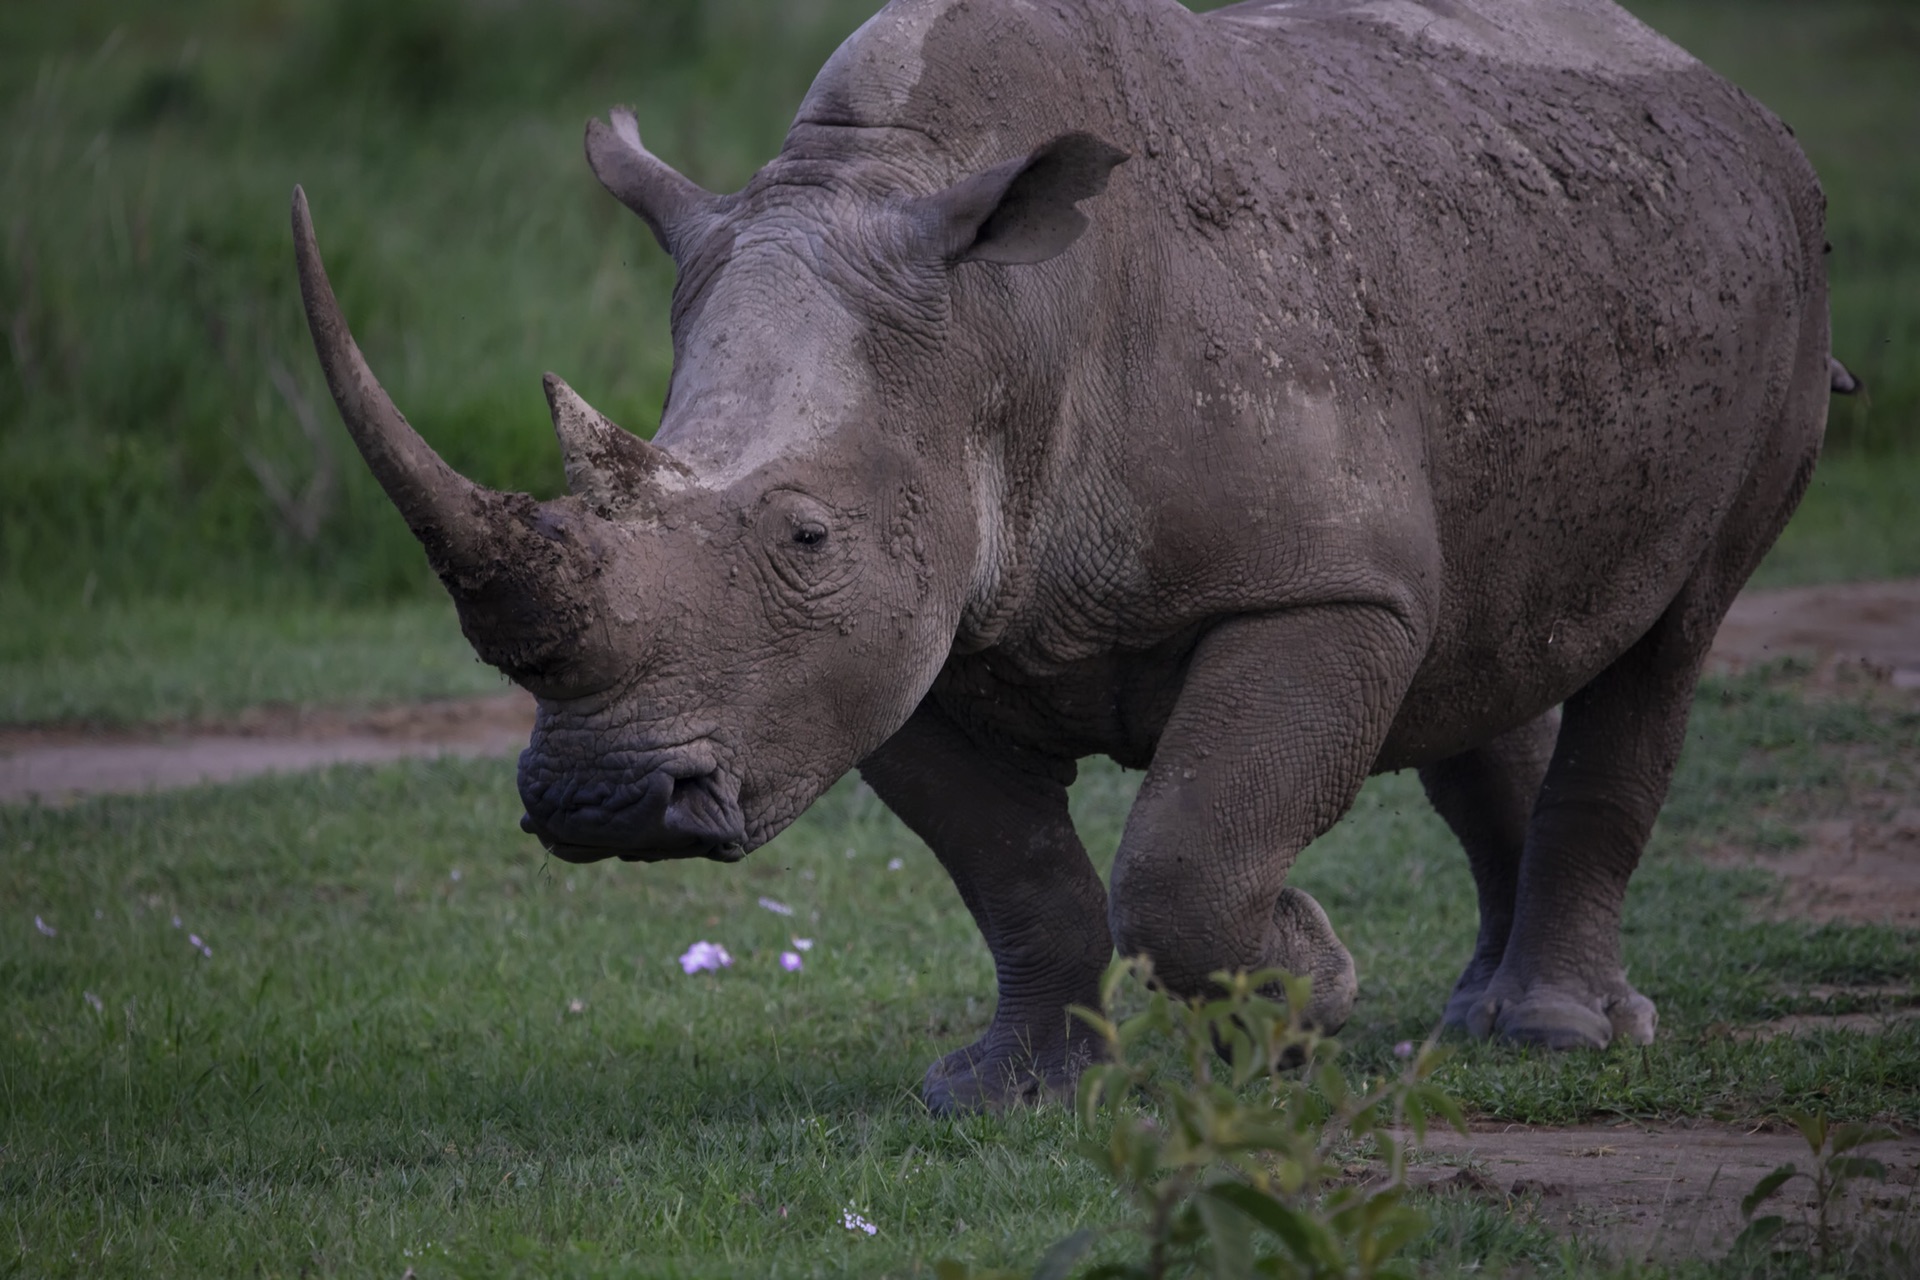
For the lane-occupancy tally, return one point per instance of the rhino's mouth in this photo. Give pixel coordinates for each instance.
(656, 818)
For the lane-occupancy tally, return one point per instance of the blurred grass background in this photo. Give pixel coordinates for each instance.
(164, 435)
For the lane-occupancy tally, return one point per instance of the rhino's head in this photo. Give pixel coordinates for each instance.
(720, 624)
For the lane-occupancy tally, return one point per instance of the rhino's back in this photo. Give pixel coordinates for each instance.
(1534, 275)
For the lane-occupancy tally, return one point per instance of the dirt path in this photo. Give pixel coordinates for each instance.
(1873, 629)
(56, 765)
(1652, 1193)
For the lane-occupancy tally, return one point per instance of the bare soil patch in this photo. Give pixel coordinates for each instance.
(1871, 626)
(1646, 1192)
(56, 764)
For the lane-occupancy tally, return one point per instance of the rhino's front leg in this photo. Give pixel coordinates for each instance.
(1002, 831)
(1277, 725)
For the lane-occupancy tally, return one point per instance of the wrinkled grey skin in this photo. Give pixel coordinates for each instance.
(1424, 367)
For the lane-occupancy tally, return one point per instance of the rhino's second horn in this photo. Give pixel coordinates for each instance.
(609, 468)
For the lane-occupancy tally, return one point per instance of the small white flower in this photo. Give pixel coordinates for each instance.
(778, 908)
(854, 1222)
(704, 955)
(894, 864)
(454, 875)
(576, 1005)
(803, 944)
(176, 922)
(45, 928)
(98, 1005)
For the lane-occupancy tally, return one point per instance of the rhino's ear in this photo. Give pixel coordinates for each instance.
(1021, 211)
(667, 201)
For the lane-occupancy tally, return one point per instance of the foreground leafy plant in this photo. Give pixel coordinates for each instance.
(1830, 1148)
(1226, 1122)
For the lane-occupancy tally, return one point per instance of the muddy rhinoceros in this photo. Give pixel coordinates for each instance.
(1262, 399)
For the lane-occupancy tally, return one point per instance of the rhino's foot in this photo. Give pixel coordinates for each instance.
(1303, 943)
(1563, 1015)
(999, 1071)
(1469, 991)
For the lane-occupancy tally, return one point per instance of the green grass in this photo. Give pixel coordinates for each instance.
(1854, 525)
(379, 1057)
(154, 660)
(155, 363)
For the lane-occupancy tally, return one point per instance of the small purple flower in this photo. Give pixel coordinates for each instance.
(791, 961)
(1404, 1049)
(803, 944)
(894, 864)
(778, 908)
(176, 922)
(854, 1222)
(705, 956)
(45, 928)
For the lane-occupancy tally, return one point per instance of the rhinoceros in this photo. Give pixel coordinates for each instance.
(1262, 399)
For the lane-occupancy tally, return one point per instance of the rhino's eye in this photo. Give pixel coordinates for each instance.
(809, 533)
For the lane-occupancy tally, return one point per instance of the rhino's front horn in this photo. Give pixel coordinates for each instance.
(521, 573)
(453, 517)
(608, 468)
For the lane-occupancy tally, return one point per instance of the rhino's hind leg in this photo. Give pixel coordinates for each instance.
(1001, 829)
(1486, 796)
(1561, 982)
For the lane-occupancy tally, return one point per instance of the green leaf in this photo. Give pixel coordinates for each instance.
(1057, 1263)
(1229, 1238)
(1305, 1238)
(1765, 1188)
(1101, 1025)
(1812, 1127)
(1759, 1231)
(1844, 1168)
(1439, 1101)
(1848, 1136)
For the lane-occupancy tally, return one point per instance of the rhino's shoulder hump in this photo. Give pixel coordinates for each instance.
(915, 63)
(1594, 36)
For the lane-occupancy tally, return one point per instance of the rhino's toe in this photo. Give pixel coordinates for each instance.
(1560, 1020)
(1305, 943)
(992, 1077)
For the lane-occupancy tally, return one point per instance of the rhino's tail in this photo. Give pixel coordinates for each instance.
(1841, 380)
